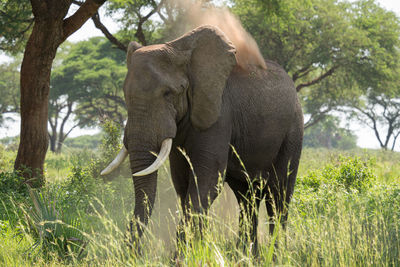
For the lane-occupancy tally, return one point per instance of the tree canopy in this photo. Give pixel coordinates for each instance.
(16, 20)
(326, 46)
(86, 86)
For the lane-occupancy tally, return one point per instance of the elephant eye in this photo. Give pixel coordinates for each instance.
(167, 93)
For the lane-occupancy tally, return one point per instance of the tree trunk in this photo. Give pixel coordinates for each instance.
(35, 78)
(53, 141)
(49, 31)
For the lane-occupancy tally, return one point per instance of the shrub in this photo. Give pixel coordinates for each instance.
(6, 159)
(12, 182)
(110, 146)
(53, 229)
(77, 190)
(13, 191)
(351, 173)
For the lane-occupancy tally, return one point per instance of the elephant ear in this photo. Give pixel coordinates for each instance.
(132, 47)
(212, 58)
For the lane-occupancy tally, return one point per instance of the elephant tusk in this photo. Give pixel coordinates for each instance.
(162, 156)
(116, 162)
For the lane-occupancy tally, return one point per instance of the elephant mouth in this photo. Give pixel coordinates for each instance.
(166, 146)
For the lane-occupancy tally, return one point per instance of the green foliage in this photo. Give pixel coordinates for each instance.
(14, 245)
(12, 183)
(10, 143)
(354, 174)
(53, 230)
(327, 46)
(86, 85)
(130, 14)
(13, 192)
(110, 146)
(79, 189)
(351, 173)
(84, 142)
(91, 75)
(6, 159)
(341, 214)
(111, 142)
(16, 20)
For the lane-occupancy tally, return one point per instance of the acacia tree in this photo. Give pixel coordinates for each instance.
(16, 20)
(50, 29)
(86, 85)
(324, 45)
(380, 111)
(379, 106)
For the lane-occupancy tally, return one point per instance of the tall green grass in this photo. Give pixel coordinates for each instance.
(345, 212)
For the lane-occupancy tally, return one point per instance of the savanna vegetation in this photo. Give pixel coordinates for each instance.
(344, 59)
(345, 211)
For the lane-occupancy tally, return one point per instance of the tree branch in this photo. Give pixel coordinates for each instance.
(315, 119)
(395, 139)
(139, 32)
(297, 74)
(107, 34)
(85, 11)
(316, 80)
(374, 126)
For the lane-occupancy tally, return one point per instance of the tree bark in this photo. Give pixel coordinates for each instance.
(35, 79)
(49, 31)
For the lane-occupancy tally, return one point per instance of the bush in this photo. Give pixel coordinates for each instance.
(10, 143)
(351, 173)
(12, 183)
(79, 189)
(52, 228)
(110, 146)
(84, 141)
(13, 192)
(6, 159)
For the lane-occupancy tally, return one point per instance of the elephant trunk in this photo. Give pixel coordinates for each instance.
(147, 135)
(145, 189)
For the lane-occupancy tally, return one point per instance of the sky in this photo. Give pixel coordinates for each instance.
(366, 137)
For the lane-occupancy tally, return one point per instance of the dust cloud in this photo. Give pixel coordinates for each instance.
(197, 13)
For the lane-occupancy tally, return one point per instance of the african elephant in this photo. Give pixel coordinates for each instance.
(190, 93)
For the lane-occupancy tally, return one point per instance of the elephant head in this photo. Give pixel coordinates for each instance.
(166, 83)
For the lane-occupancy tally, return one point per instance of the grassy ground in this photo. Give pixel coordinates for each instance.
(345, 212)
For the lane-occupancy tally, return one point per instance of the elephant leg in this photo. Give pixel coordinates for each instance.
(282, 179)
(205, 182)
(208, 153)
(201, 193)
(249, 198)
(203, 185)
(269, 204)
(180, 172)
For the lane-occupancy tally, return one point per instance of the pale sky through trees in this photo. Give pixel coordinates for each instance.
(366, 137)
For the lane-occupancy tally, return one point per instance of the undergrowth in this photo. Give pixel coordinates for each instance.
(345, 211)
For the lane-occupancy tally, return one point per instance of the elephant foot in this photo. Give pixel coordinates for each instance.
(132, 239)
(249, 248)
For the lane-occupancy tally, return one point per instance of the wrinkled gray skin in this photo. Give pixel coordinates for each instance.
(191, 90)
